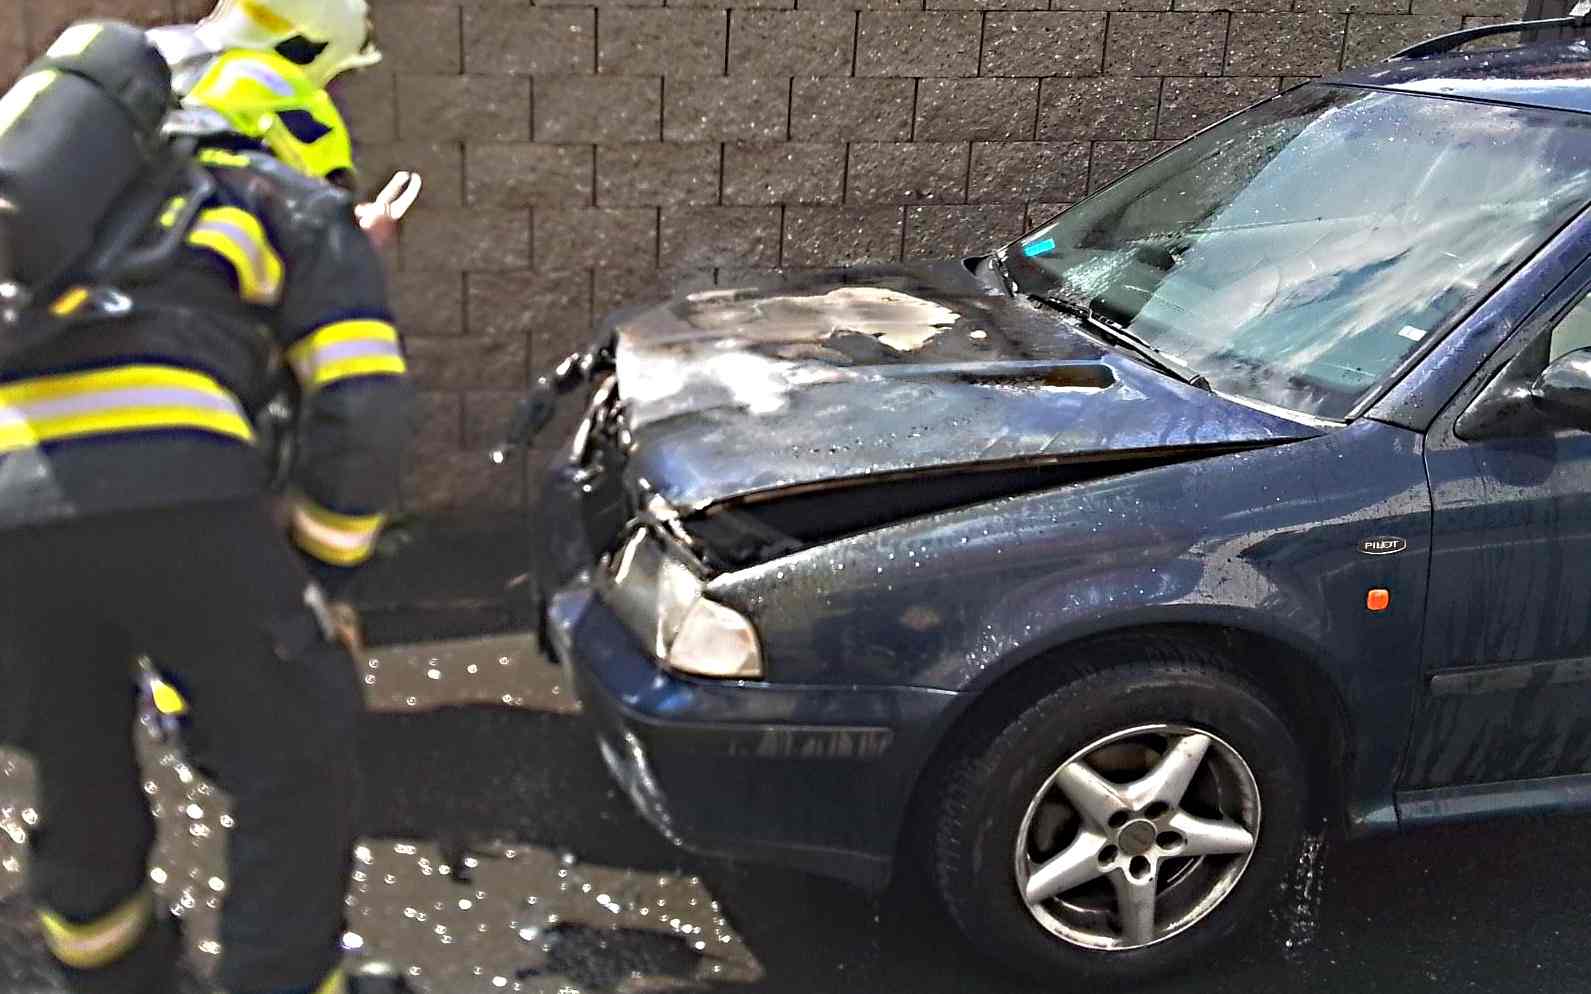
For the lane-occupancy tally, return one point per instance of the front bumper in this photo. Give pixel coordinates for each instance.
(816, 778)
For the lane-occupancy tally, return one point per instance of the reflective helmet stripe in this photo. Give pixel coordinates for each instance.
(114, 401)
(340, 28)
(345, 350)
(97, 944)
(338, 539)
(238, 237)
(265, 17)
(235, 72)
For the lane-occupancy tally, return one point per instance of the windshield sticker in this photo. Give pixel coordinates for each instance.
(1039, 247)
(1412, 333)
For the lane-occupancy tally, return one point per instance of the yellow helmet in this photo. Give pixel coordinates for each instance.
(321, 37)
(263, 96)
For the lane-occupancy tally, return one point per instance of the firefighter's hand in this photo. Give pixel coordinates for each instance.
(349, 629)
(383, 230)
(380, 217)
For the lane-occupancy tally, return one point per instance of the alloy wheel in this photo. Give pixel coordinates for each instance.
(1137, 836)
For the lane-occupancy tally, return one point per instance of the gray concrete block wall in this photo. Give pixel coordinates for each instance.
(584, 154)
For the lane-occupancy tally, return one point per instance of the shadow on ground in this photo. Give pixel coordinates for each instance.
(1496, 907)
(498, 856)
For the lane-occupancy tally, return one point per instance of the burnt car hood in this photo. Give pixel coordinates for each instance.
(731, 393)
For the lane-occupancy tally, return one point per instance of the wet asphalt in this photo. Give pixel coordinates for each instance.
(498, 857)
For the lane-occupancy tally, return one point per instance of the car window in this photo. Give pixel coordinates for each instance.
(1573, 332)
(1301, 251)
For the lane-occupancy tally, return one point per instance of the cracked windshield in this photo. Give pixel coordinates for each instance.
(1300, 253)
(794, 498)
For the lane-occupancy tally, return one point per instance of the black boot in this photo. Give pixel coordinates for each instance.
(150, 968)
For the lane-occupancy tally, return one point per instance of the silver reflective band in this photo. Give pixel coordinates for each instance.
(358, 349)
(113, 400)
(253, 71)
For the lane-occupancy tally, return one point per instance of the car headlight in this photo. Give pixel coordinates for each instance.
(716, 641)
(661, 600)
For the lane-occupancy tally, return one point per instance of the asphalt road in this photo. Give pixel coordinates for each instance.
(498, 857)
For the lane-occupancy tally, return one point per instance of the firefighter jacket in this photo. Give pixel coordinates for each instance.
(151, 399)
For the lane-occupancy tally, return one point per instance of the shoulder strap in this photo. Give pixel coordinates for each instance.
(117, 259)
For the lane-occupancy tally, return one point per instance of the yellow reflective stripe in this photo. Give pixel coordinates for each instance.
(347, 369)
(265, 17)
(338, 539)
(168, 700)
(118, 378)
(102, 942)
(345, 350)
(127, 399)
(30, 435)
(21, 96)
(75, 40)
(238, 237)
(67, 304)
(173, 211)
(221, 157)
(336, 982)
(343, 332)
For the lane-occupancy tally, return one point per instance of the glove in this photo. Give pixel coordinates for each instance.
(339, 620)
(380, 217)
(349, 628)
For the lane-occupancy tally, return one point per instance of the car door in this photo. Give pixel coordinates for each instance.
(1507, 654)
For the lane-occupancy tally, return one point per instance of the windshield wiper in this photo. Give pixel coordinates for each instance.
(1118, 335)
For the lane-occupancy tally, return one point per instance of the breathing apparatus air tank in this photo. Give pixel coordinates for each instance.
(84, 171)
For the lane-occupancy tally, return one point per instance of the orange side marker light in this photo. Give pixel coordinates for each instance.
(1378, 599)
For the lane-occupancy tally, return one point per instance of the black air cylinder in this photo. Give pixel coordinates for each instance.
(79, 129)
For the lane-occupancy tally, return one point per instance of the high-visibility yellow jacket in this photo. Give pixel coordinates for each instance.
(152, 403)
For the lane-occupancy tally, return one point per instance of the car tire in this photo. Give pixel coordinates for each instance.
(1013, 779)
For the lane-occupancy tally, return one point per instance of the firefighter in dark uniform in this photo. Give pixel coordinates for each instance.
(134, 520)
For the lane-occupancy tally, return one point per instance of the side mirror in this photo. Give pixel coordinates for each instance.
(1511, 405)
(1563, 391)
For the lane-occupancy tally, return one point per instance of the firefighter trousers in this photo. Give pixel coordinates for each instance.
(215, 595)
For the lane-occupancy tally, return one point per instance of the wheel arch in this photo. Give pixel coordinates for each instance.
(1239, 647)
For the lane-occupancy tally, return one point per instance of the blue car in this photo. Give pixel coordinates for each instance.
(1092, 578)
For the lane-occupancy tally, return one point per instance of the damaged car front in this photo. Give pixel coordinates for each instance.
(730, 438)
(848, 560)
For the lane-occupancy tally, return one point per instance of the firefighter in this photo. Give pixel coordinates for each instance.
(133, 520)
(323, 38)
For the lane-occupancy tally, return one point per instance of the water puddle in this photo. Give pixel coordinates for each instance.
(1303, 891)
(490, 916)
(505, 671)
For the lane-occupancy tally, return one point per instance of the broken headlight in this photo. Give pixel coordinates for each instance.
(716, 641)
(661, 600)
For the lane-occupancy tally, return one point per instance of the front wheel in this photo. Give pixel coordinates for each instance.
(1123, 825)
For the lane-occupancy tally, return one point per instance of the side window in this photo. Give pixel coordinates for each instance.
(1573, 332)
